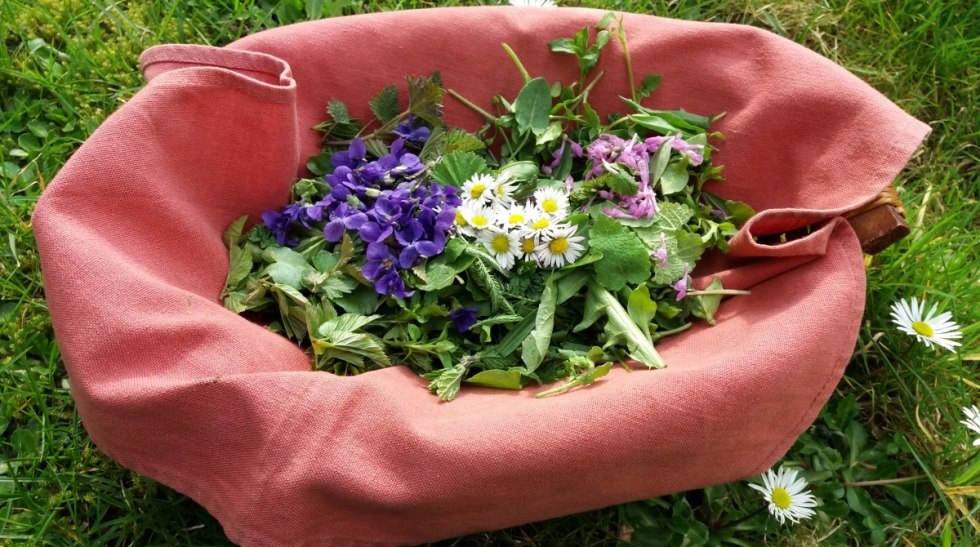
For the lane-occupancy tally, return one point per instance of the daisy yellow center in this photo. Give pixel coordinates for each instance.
(558, 245)
(501, 191)
(781, 498)
(515, 218)
(923, 328)
(549, 206)
(500, 244)
(477, 190)
(541, 224)
(459, 218)
(527, 246)
(480, 221)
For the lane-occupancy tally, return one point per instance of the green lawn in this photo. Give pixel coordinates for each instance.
(888, 457)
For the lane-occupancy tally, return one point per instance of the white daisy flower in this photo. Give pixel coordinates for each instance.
(503, 245)
(479, 188)
(529, 242)
(972, 421)
(533, 3)
(787, 496)
(552, 201)
(559, 247)
(539, 223)
(927, 327)
(472, 216)
(513, 217)
(503, 190)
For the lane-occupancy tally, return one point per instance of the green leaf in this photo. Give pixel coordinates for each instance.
(675, 178)
(606, 20)
(624, 258)
(683, 250)
(673, 216)
(385, 104)
(338, 112)
(620, 182)
(650, 83)
(656, 123)
(706, 305)
(455, 168)
(621, 328)
(446, 382)
(563, 45)
(336, 286)
(480, 269)
(549, 135)
(535, 346)
(641, 308)
(520, 170)
(533, 107)
(233, 234)
(339, 340)
(503, 379)
(458, 140)
(362, 300)
(658, 163)
(425, 99)
(516, 336)
(240, 266)
(569, 285)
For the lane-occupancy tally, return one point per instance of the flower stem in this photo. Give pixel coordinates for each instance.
(486, 115)
(520, 66)
(621, 33)
(718, 291)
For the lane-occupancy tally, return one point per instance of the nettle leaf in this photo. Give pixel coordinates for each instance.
(458, 140)
(455, 168)
(683, 250)
(624, 257)
(535, 346)
(385, 104)
(532, 108)
(511, 378)
(425, 99)
(675, 178)
(446, 382)
(673, 216)
(649, 84)
(338, 111)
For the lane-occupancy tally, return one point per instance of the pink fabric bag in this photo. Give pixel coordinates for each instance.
(175, 387)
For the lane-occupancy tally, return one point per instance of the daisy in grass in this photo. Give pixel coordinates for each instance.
(929, 328)
(787, 496)
(479, 188)
(552, 201)
(503, 245)
(560, 247)
(972, 421)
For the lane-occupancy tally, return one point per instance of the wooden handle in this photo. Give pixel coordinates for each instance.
(880, 223)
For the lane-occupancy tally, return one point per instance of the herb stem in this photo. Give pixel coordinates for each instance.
(899, 480)
(621, 33)
(718, 291)
(658, 335)
(517, 61)
(486, 115)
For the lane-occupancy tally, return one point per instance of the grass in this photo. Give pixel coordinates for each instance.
(884, 456)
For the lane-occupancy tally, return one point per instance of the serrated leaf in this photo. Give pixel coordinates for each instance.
(649, 84)
(338, 112)
(446, 382)
(485, 278)
(233, 234)
(348, 322)
(458, 140)
(532, 107)
(620, 182)
(240, 265)
(425, 99)
(385, 104)
(624, 257)
(337, 286)
(456, 168)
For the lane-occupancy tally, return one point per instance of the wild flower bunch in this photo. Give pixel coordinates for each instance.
(550, 244)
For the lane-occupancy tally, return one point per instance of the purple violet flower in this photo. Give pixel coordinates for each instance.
(463, 318)
(415, 136)
(344, 217)
(280, 223)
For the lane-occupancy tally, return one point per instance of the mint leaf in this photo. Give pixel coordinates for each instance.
(624, 258)
(683, 250)
(532, 107)
(385, 104)
(455, 168)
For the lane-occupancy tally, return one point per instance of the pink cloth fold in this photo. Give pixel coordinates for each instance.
(175, 387)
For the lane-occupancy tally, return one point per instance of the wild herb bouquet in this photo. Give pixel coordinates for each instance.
(548, 245)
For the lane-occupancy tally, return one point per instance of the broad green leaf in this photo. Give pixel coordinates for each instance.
(658, 163)
(385, 104)
(563, 45)
(705, 305)
(240, 266)
(656, 123)
(683, 250)
(324, 261)
(503, 379)
(641, 308)
(675, 178)
(533, 107)
(287, 274)
(535, 346)
(621, 328)
(345, 323)
(551, 134)
(569, 285)
(455, 168)
(515, 336)
(362, 300)
(624, 257)
(520, 170)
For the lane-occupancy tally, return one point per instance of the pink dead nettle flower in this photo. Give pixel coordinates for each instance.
(556, 154)
(694, 152)
(609, 151)
(682, 285)
(661, 253)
